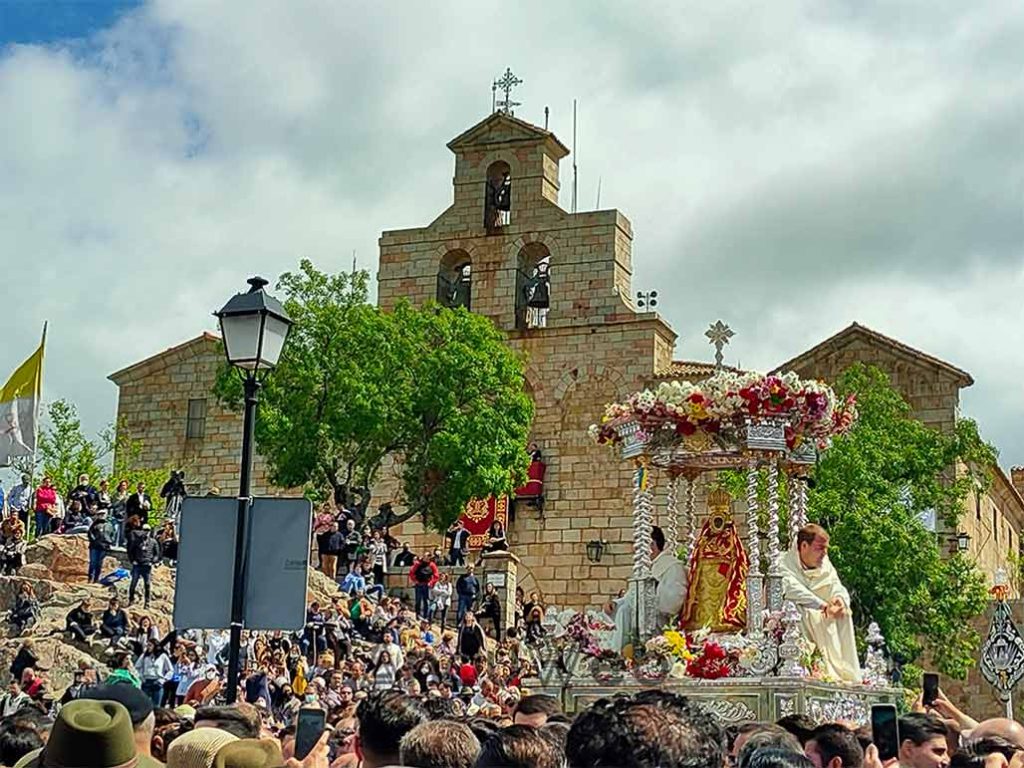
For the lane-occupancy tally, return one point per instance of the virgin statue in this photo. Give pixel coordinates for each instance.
(717, 595)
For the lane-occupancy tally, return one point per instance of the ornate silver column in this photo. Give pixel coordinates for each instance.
(755, 583)
(789, 648)
(690, 522)
(797, 506)
(774, 555)
(671, 514)
(642, 583)
(876, 670)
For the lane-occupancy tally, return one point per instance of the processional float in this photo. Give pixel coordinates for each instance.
(771, 428)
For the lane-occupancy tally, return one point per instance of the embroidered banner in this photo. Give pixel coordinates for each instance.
(479, 515)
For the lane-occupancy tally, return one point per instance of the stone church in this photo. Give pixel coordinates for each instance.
(502, 243)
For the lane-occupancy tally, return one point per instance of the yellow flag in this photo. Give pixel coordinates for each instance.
(19, 401)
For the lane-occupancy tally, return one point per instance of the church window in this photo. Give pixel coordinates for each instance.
(533, 286)
(455, 280)
(195, 423)
(498, 197)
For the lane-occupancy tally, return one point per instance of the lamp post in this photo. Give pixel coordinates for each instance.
(254, 327)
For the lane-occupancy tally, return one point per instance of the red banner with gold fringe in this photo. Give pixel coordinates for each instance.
(480, 514)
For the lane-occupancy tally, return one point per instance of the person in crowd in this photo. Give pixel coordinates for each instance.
(331, 545)
(405, 558)
(154, 669)
(520, 746)
(834, 746)
(423, 575)
(536, 710)
(384, 672)
(114, 623)
(45, 506)
(458, 534)
(12, 548)
(142, 633)
(143, 553)
(496, 539)
(101, 541)
(467, 589)
(139, 504)
(441, 599)
(85, 493)
(650, 729)
(103, 496)
(354, 581)
(533, 617)
(470, 640)
(19, 500)
(353, 546)
(384, 718)
(119, 511)
(440, 744)
(923, 741)
(167, 537)
(79, 622)
(490, 608)
(25, 612)
(377, 550)
(14, 700)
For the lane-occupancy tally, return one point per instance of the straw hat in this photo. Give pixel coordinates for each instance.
(198, 748)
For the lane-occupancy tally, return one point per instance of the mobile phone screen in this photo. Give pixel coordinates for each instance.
(931, 688)
(309, 730)
(885, 731)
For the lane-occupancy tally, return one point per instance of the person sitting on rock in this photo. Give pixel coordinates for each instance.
(114, 623)
(25, 658)
(79, 622)
(26, 609)
(12, 553)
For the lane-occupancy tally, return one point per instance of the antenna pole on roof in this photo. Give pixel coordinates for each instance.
(574, 155)
(597, 207)
(547, 114)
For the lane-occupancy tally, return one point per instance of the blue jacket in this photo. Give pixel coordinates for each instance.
(353, 582)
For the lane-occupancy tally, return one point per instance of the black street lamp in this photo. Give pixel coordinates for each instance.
(595, 550)
(963, 541)
(254, 326)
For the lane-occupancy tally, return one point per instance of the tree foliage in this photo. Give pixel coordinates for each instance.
(436, 392)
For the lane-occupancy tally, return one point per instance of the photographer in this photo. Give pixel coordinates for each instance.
(173, 492)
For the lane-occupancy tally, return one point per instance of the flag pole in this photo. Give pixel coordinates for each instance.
(38, 398)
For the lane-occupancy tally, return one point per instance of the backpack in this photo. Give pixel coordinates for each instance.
(424, 573)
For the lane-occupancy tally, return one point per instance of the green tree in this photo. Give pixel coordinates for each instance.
(63, 450)
(435, 392)
(871, 488)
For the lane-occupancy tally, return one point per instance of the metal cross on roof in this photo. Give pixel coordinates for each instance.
(506, 83)
(719, 334)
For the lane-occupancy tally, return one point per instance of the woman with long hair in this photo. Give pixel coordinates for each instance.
(441, 598)
(384, 673)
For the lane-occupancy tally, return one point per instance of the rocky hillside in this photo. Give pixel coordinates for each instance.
(56, 567)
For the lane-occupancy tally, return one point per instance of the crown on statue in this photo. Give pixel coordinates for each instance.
(719, 501)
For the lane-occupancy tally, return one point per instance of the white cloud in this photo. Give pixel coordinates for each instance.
(789, 167)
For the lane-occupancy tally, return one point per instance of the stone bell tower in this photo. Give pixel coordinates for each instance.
(559, 285)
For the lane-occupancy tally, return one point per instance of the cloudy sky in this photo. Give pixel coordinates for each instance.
(788, 167)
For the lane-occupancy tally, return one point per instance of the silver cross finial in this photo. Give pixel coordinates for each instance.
(506, 83)
(719, 334)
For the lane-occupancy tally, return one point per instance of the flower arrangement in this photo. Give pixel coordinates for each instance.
(581, 632)
(721, 403)
(697, 655)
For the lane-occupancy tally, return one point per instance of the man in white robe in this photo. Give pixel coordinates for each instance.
(670, 575)
(810, 581)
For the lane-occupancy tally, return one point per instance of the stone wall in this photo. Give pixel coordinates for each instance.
(152, 405)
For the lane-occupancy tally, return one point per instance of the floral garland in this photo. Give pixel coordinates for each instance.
(722, 401)
(696, 655)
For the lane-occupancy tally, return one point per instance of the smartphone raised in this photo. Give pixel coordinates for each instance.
(885, 731)
(931, 688)
(309, 730)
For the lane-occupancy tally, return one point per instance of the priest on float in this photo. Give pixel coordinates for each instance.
(810, 581)
(670, 575)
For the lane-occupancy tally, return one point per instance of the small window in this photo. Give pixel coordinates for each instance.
(195, 426)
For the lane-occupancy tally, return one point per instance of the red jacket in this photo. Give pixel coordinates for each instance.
(434, 573)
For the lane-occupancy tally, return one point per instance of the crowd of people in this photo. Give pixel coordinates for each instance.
(397, 684)
(117, 723)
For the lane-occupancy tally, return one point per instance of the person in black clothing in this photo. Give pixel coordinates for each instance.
(79, 622)
(25, 658)
(467, 589)
(114, 622)
(26, 609)
(85, 493)
(143, 552)
(490, 608)
(459, 536)
(101, 541)
(470, 641)
(405, 558)
(139, 503)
